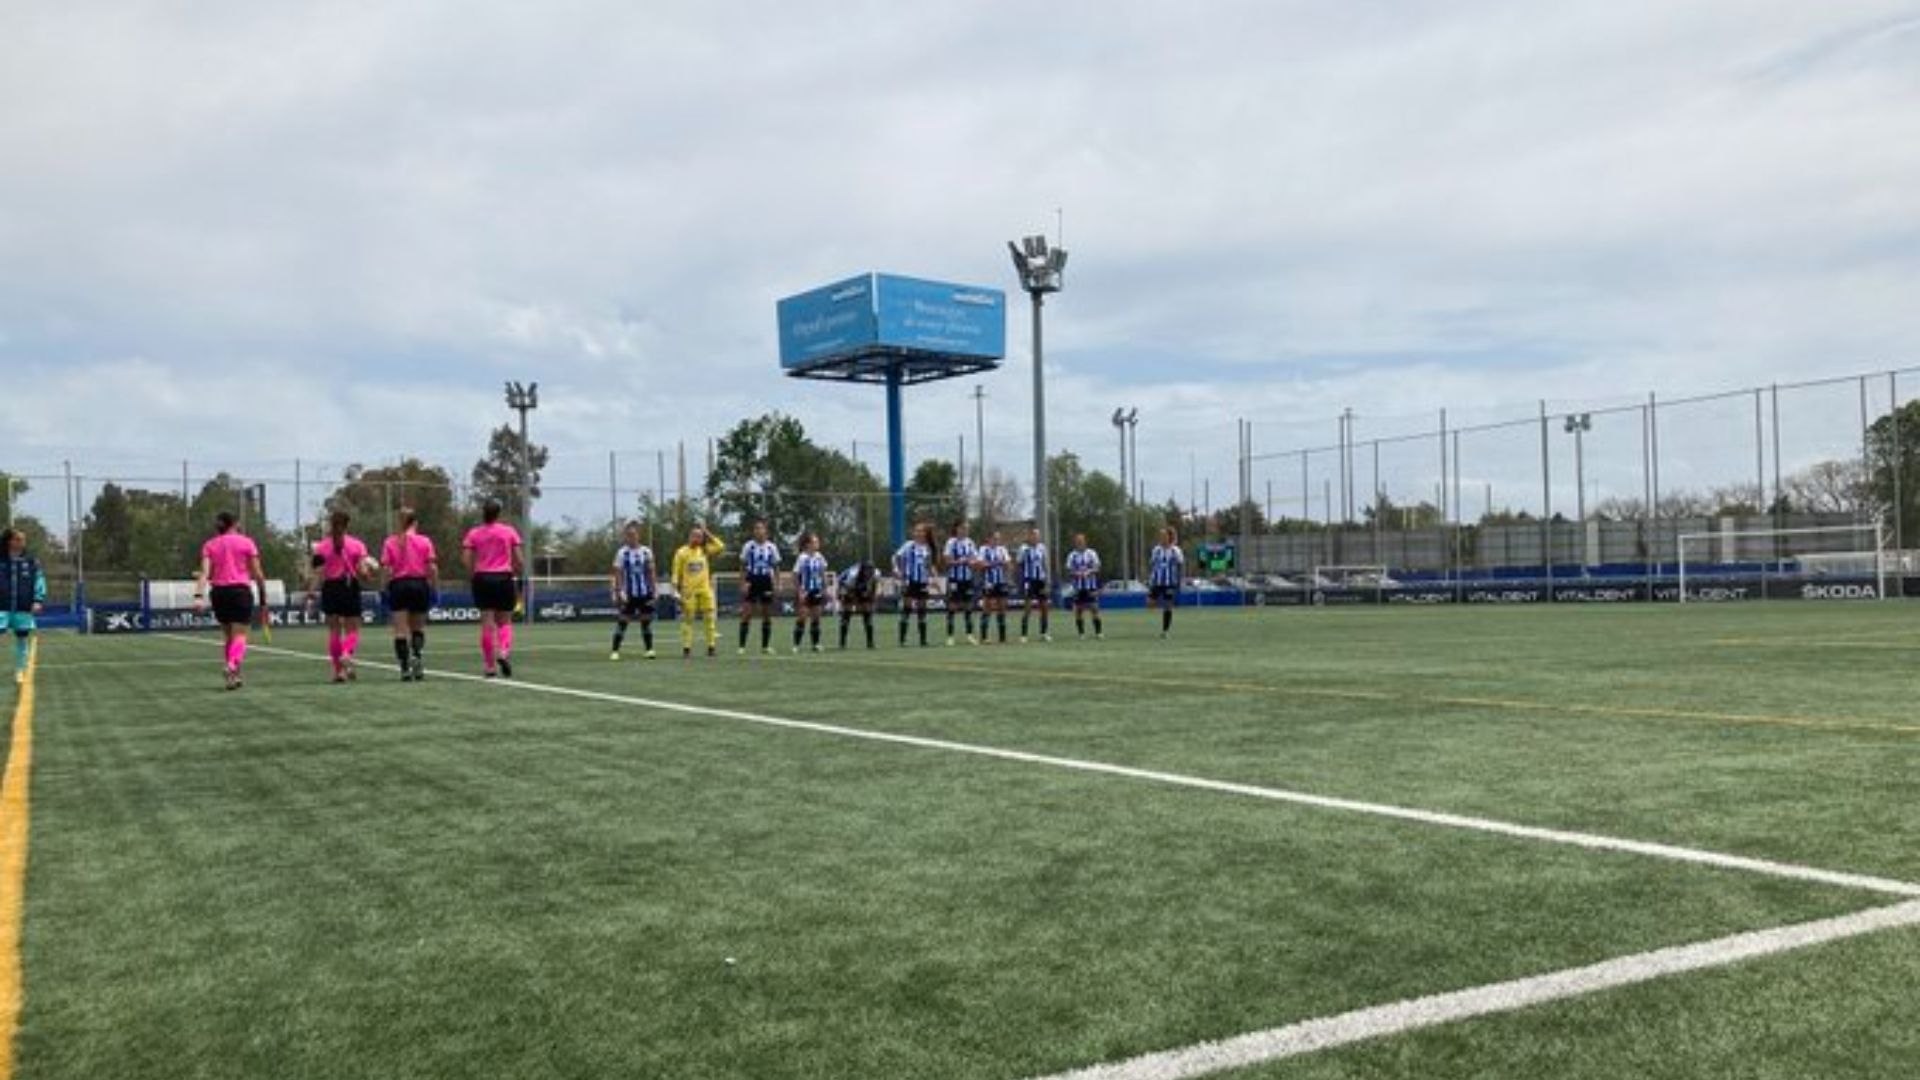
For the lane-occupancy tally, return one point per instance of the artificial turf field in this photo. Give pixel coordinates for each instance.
(463, 879)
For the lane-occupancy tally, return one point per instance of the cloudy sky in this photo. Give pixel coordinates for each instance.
(242, 233)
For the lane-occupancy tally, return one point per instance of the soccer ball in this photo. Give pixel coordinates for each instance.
(369, 566)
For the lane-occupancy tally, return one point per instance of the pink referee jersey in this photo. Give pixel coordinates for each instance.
(407, 555)
(227, 556)
(340, 560)
(492, 547)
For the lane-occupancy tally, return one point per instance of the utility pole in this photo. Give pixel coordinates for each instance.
(980, 444)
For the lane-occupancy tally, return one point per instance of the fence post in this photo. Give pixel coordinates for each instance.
(1546, 500)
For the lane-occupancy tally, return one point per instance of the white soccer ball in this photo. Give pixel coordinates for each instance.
(369, 566)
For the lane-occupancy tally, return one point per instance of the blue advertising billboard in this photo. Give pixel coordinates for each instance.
(831, 321)
(939, 316)
(874, 316)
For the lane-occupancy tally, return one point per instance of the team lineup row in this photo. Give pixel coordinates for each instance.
(979, 578)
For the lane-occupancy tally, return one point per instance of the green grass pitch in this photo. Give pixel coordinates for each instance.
(458, 879)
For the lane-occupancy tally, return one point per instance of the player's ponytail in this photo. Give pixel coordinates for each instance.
(409, 518)
(337, 529)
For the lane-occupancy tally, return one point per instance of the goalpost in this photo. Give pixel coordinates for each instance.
(1868, 557)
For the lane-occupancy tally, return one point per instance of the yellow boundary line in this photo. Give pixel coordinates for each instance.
(13, 863)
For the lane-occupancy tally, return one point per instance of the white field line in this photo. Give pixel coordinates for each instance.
(1379, 1021)
(1590, 841)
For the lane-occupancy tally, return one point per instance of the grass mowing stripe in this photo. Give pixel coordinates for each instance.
(1589, 841)
(1379, 1021)
(14, 790)
(1617, 711)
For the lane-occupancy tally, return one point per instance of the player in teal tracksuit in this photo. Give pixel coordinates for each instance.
(23, 594)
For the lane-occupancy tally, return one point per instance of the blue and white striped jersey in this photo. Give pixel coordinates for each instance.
(913, 562)
(961, 551)
(759, 557)
(1165, 565)
(850, 580)
(636, 570)
(810, 571)
(1083, 565)
(997, 559)
(1033, 562)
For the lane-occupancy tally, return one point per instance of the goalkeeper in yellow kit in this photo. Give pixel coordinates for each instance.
(693, 580)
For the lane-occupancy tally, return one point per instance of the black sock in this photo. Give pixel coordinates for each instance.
(846, 620)
(744, 627)
(419, 643)
(969, 618)
(1166, 619)
(1023, 623)
(766, 632)
(1080, 624)
(799, 627)
(866, 619)
(949, 622)
(400, 653)
(1003, 627)
(646, 635)
(813, 633)
(1096, 625)
(903, 627)
(1043, 622)
(923, 627)
(619, 634)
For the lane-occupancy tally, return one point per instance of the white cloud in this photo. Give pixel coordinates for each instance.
(373, 217)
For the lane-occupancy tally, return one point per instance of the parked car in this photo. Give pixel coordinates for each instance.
(1124, 587)
(1201, 585)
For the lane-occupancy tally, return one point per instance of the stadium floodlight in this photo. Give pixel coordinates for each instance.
(1042, 271)
(1577, 425)
(523, 400)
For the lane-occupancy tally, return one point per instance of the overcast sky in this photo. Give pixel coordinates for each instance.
(247, 232)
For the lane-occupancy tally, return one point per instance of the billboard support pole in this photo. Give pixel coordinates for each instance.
(896, 458)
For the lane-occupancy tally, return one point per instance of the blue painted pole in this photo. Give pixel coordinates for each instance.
(896, 459)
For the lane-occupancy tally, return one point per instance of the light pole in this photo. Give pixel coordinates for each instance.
(1577, 425)
(1041, 271)
(1120, 421)
(980, 445)
(523, 400)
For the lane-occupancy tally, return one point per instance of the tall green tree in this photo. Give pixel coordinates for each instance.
(110, 529)
(497, 474)
(933, 494)
(375, 496)
(1893, 460)
(767, 468)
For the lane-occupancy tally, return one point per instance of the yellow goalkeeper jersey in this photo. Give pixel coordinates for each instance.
(693, 566)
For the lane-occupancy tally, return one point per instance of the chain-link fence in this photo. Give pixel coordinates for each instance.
(1794, 469)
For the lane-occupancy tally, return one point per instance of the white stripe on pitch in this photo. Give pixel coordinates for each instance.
(1309, 1036)
(1590, 841)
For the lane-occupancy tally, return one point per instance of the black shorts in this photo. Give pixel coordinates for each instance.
(1168, 593)
(1086, 597)
(960, 592)
(856, 598)
(340, 596)
(997, 591)
(760, 589)
(495, 592)
(916, 590)
(233, 604)
(1036, 589)
(813, 598)
(637, 607)
(409, 594)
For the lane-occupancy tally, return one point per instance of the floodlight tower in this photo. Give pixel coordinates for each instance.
(1122, 421)
(1042, 271)
(1577, 425)
(523, 400)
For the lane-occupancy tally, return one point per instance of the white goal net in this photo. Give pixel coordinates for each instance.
(1852, 552)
